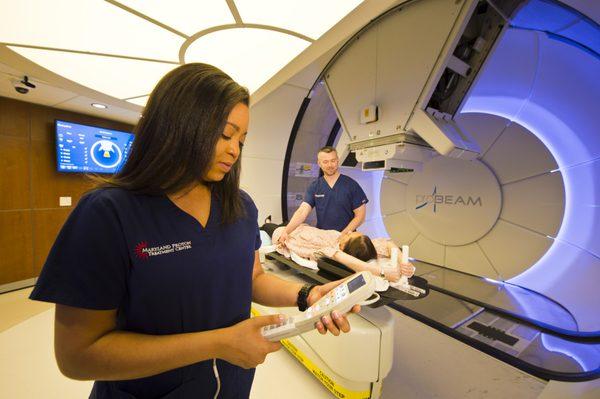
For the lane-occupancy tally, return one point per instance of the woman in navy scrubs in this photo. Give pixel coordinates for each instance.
(154, 272)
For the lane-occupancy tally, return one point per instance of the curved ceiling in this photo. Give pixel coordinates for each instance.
(122, 48)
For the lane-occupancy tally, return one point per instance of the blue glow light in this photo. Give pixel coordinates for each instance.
(566, 146)
(490, 106)
(558, 345)
(549, 87)
(560, 22)
(377, 227)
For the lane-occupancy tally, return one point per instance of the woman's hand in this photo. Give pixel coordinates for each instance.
(335, 322)
(244, 345)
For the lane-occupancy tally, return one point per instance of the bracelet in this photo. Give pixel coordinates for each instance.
(302, 300)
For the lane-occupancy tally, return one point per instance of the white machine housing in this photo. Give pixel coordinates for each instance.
(402, 51)
(530, 114)
(352, 363)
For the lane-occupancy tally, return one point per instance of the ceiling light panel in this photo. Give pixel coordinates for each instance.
(185, 16)
(91, 26)
(117, 77)
(250, 56)
(309, 17)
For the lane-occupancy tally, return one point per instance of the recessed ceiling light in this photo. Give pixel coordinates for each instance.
(100, 106)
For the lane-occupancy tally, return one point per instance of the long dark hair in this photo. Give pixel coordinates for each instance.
(361, 247)
(176, 136)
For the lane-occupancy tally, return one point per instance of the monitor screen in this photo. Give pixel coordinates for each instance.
(90, 149)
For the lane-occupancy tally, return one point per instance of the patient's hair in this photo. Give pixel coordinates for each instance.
(361, 247)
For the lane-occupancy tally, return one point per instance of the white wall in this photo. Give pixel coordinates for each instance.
(271, 122)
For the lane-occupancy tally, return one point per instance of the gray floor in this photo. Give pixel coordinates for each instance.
(28, 369)
(427, 364)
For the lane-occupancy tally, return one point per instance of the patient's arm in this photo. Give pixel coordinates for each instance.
(391, 244)
(406, 269)
(358, 266)
(384, 248)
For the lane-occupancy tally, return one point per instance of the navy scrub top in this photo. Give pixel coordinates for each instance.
(335, 206)
(164, 272)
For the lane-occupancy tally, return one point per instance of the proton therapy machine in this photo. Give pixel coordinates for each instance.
(469, 126)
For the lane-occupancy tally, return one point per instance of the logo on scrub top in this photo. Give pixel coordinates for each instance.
(142, 251)
(439, 199)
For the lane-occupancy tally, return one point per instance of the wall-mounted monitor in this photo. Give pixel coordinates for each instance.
(90, 149)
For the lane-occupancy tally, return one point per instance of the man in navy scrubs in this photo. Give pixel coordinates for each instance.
(339, 201)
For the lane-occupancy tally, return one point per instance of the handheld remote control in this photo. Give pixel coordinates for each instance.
(342, 298)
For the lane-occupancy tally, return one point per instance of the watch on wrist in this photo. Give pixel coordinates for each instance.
(303, 296)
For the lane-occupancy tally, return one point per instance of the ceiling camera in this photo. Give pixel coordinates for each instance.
(23, 86)
(20, 88)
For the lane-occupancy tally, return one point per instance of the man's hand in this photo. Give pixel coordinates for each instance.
(282, 238)
(342, 234)
(335, 322)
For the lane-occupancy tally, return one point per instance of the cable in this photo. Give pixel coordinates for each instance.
(370, 301)
(216, 371)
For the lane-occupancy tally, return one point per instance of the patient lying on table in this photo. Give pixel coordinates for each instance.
(355, 250)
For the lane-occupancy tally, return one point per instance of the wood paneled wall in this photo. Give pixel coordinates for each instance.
(30, 186)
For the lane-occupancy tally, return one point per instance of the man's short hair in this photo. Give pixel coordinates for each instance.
(327, 149)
